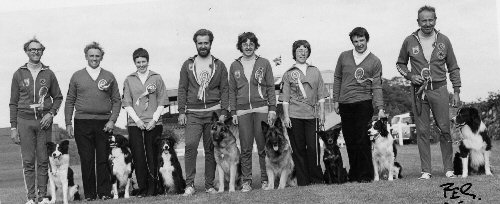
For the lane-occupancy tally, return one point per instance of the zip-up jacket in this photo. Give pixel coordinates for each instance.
(25, 92)
(441, 55)
(144, 105)
(244, 90)
(215, 93)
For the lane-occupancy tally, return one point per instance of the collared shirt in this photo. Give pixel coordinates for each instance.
(359, 57)
(94, 73)
(143, 77)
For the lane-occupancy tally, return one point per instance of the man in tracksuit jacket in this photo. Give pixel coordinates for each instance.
(429, 51)
(34, 101)
(203, 89)
(94, 96)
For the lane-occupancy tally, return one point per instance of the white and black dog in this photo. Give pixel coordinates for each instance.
(121, 165)
(384, 151)
(60, 174)
(475, 145)
(169, 168)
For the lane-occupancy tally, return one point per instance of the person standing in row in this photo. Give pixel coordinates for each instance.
(144, 97)
(203, 90)
(94, 96)
(429, 51)
(357, 88)
(35, 98)
(252, 100)
(303, 90)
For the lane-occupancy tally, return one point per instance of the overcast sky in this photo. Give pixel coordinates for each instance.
(165, 29)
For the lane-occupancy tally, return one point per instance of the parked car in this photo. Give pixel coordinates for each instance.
(403, 123)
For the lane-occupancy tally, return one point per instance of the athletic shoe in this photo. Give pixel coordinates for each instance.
(211, 191)
(44, 201)
(265, 184)
(188, 191)
(425, 176)
(246, 187)
(450, 174)
(30, 202)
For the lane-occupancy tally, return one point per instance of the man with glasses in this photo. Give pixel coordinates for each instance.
(203, 90)
(94, 96)
(34, 101)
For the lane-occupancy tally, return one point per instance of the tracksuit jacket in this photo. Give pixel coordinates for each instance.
(244, 90)
(441, 55)
(25, 92)
(215, 93)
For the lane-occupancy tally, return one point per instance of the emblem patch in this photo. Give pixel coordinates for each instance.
(237, 74)
(416, 50)
(26, 82)
(103, 85)
(259, 74)
(440, 55)
(43, 82)
(295, 76)
(441, 46)
(359, 73)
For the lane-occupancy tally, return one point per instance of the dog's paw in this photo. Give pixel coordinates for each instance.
(115, 196)
(232, 190)
(464, 176)
(221, 190)
(376, 178)
(489, 173)
(52, 201)
(390, 178)
(269, 188)
(126, 195)
(281, 187)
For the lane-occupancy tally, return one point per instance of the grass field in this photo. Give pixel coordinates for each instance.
(407, 190)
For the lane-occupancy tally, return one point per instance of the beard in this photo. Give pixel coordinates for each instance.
(203, 52)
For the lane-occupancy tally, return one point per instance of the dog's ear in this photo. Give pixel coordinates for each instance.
(265, 127)
(65, 143)
(171, 142)
(215, 117)
(475, 119)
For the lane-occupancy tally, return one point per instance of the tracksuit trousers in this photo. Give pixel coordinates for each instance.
(92, 144)
(355, 118)
(306, 155)
(34, 151)
(250, 128)
(436, 100)
(145, 154)
(198, 124)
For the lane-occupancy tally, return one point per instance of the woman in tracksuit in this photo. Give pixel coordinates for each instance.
(144, 97)
(252, 100)
(303, 89)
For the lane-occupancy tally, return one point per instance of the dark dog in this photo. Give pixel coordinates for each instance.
(384, 151)
(60, 174)
(121, 165)
(279, 161)
(475, 145)
(335, 173)
(170, 170)
(227, 154)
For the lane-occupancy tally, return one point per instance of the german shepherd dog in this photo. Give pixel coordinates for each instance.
(227, 154)
(278, 156)
(384, 151)
(169, 168)
(475, 146)
(335, 173)
(121, 165)
(60, 174)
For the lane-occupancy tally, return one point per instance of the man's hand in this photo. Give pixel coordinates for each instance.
(322, 118)
(288, 122)
(456, 100)
(235, 119)
(69, 130)
(110, 125)
(14, 135)
(271, 116)
(381, 114)
(417, 79)
(222, 118)
(151, 125)
(140, 124)
(182, 119)
(46, 121)
(336, 107)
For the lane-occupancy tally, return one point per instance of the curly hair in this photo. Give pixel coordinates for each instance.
(93, 45)
(27, 44)
(427, 8)
(203, 32)
(242, 38)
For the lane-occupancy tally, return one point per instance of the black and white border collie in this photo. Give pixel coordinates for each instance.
(60, 174)
(475, 145)
(169, 168)
(121, 165)
(384, 151)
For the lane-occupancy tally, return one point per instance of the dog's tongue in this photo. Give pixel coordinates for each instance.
(275, 147)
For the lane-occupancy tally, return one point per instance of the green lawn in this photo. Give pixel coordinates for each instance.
(406, 190)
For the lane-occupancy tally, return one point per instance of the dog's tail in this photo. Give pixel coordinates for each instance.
(400, 168)
(292, 178)
(457, 164)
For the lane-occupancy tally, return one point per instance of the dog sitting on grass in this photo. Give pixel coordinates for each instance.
(335, 173)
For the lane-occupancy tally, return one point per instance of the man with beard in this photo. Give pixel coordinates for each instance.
(93, 94)
(203, 89)
(429, 51)
(34, 101)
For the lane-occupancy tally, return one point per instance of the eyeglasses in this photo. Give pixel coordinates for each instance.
(36, 50)
(247, 45)
(304, 51)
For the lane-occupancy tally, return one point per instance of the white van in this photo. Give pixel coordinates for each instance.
(401, 125)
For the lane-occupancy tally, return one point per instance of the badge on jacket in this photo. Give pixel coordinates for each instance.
(26, 82)
(103, 85)
(43, 82)
(441, 46)
(416, 50)
(237, 74)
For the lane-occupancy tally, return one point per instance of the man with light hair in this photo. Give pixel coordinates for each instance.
(35, 98)
(94, 96)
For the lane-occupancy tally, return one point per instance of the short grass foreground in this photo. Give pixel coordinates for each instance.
(475, 189)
